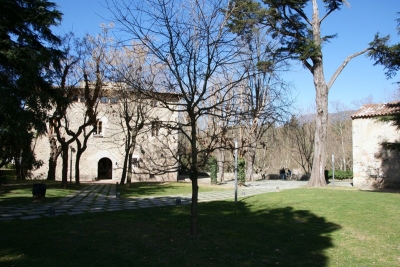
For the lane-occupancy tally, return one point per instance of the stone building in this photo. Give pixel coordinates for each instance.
(153, 157)
(373, 165)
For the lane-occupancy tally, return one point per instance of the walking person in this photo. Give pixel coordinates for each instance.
(282, 173)
(289, 174)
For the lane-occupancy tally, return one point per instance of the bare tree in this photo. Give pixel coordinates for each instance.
(300, 132)
(340, 136)
(132, 112)
(82, 78)
(299, 32)
(264, 97)
(128, 63)
(190, 39)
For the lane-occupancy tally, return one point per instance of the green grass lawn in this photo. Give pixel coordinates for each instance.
(17, 192)
(298, 227)
(165, 189)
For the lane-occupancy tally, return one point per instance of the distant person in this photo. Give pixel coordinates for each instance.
(326, 174)
(289, 173)
(282, 173)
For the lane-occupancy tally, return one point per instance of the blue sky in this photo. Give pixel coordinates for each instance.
(355, 27)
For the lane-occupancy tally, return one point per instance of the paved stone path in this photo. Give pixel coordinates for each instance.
(103, 197)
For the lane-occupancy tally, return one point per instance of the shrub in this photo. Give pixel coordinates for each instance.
(341, 175)
(241, 172)
(213, 167)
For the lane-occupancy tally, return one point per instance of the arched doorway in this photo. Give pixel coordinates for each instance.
(104, 169)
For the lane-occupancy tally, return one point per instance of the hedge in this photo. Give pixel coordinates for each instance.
(341, 175)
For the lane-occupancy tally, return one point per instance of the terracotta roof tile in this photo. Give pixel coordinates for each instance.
(375, 110)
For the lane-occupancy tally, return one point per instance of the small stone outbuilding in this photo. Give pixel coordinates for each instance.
(373, 165)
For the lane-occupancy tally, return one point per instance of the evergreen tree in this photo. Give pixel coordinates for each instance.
(385, 54)
(28, 58)
(395, 121)
(388, 56)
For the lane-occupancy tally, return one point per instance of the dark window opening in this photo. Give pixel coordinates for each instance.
(155, 128)
(135, 163)
(98, 128)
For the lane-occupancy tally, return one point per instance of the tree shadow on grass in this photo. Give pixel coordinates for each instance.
(139, 189)
(231, 234)
(21, 193)
(283, 236)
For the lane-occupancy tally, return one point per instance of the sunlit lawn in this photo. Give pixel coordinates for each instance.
(163, 189)
(297, 227)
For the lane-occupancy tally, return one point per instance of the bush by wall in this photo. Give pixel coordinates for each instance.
(241, 172)
(341, 175)
(213, 168)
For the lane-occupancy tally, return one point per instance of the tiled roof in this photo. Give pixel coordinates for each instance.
(375, 110)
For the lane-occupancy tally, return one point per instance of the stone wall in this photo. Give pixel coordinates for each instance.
(374, 166)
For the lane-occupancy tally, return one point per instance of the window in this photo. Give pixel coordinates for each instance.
(155, 128)
(104, 99)
(98, 128)
(52, 122)
(135, 162)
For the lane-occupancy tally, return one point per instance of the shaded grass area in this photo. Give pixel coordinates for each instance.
(19, 192)
(298, 227)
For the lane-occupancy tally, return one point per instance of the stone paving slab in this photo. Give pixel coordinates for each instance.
(75, 212)
(30, 217)
(11, 214)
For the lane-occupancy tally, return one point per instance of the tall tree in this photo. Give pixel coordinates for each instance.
(131, 63)
(301, 39)
(190, 39)
(132, 112)
(385, 54)
(28, 56)
(264, 98)
(301, 140)
(83, 76)
(340, 134)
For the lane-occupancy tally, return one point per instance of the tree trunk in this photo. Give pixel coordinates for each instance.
(125, 167)
(54, 152)
(77, 160)
(343, 153)
(51, 173)
(317, 178)
(64, 177)
(221, 163)
(194, 173)
(250, 157)
(194, 206)
(18, 167)
(129, 176)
